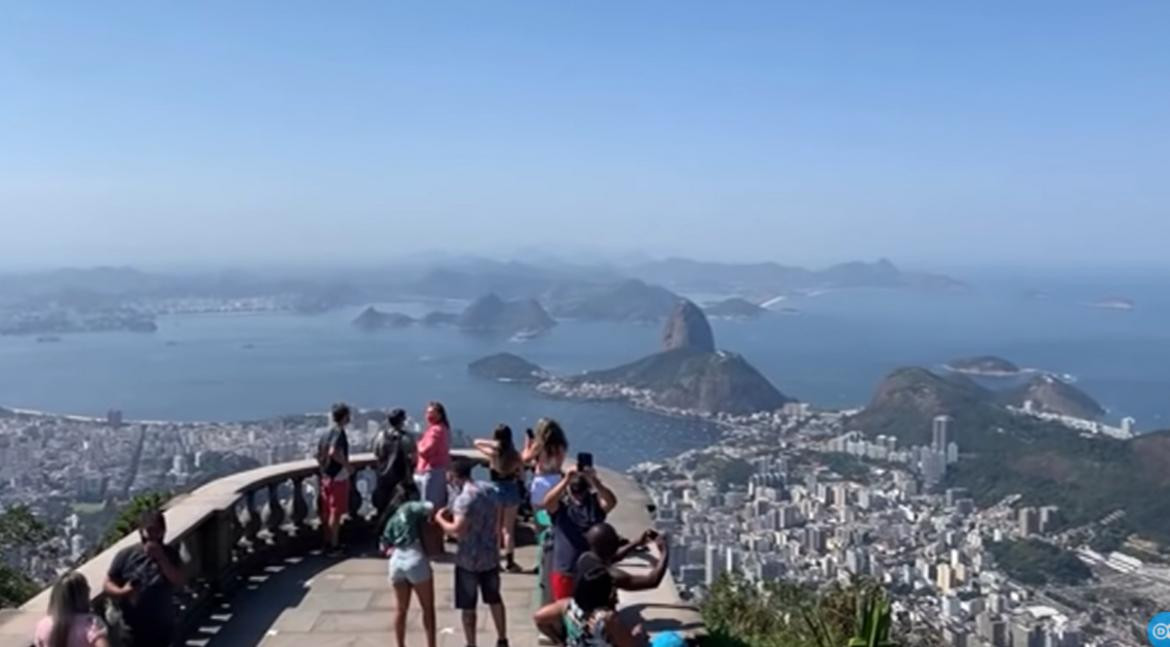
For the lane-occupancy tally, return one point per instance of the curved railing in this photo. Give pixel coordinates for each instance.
(224, 528)
(235, 524)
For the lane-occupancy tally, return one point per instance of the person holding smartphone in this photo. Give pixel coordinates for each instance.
(576, 503)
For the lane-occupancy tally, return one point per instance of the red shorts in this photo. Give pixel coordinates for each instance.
(561, 585)
(334, 498)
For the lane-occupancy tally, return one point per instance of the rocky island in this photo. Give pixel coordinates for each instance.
(983, 365)
(734, 308)
(506, 367)
(687, 376)
(372, 319)
(492, 315)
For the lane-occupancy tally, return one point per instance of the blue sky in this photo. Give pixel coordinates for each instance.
(933, 133)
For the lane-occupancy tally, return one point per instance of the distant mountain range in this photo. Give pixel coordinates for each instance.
(773, 278)
(644, 292)
(1008, 453)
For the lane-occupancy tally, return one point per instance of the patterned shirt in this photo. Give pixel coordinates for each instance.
(479, 544)
(404, 527)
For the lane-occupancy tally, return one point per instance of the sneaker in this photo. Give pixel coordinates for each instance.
(513, 567)
(503, 642)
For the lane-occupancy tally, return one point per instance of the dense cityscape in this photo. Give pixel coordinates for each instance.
(803, 499)
(792, 495)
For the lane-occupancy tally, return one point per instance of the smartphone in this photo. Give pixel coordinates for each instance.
(584, 461)
(531, 436)
(652, 534)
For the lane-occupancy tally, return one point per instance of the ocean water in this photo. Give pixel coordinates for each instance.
(833, 353)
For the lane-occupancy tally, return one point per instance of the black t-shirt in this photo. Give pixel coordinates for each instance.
(150, 610)
(335, 437)
(570, 522)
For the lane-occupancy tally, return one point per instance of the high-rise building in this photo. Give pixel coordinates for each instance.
(1048, 518)
(114, 417)
(713, 566)
(1127, 424)
(1025, 633)
(939, 438)
(1029, 520)
(945, 578)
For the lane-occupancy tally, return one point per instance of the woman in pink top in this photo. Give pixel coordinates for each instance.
(434, 456)
(69, 623)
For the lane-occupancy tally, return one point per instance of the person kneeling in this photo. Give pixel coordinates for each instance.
(589, 618)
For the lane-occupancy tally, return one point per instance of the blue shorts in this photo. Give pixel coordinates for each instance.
(508, 492)
(409, 565)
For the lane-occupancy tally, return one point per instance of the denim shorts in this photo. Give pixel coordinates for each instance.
(409, 564)
(508, 492)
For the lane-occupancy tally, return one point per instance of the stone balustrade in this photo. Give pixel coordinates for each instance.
(241, 522)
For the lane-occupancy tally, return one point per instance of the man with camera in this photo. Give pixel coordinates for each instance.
(578, 502)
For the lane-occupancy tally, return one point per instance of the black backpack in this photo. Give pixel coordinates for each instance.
(395, 466)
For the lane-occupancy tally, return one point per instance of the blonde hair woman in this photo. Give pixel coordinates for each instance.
(70, 623)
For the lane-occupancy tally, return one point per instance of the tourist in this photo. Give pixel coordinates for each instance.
(409, 567)
(507, 474)
(394, 465)
(589, 617)
(545, 449)
(141, 583)
(472, 520)
(577, 503)
(605, 548)
(70, 622)
(434, 455)
(333, 459)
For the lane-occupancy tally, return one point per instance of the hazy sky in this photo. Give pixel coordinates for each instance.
(929, 132)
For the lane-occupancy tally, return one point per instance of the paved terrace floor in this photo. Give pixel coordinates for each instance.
(313, 600)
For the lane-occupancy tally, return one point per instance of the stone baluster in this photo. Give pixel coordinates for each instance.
(299, 510)
(275, 511)
(252, 524)
(355, 497)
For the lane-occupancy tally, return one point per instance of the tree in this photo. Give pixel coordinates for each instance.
(127, 520)
(15, 587)
(783, 614)
(19, 529)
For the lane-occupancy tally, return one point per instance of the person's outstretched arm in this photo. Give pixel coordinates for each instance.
(645, 581)
(487, 447)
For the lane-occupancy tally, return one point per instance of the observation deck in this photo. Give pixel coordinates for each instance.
(251, 551)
